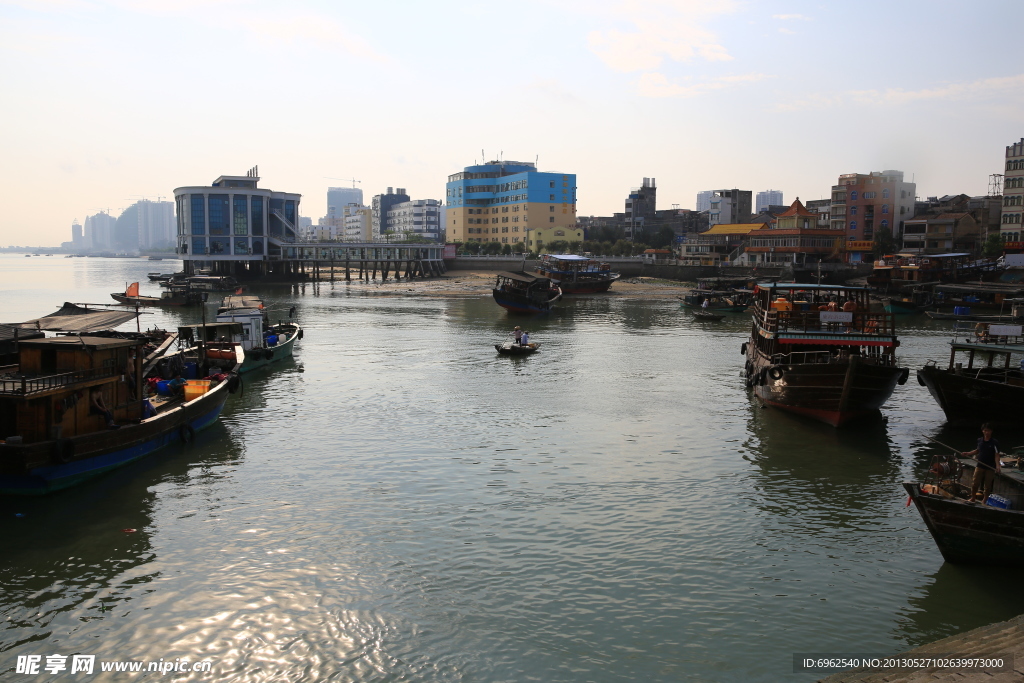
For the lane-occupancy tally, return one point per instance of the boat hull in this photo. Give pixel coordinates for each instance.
(150, 300)
(521, 304)
(969, 401)
(585, 286)
(512, 349)
(901, 307)
(33, 469)
(258, 358)
(834, 393)
(971, 533)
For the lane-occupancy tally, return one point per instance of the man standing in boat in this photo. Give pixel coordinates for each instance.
(518, 335)
(987, 455)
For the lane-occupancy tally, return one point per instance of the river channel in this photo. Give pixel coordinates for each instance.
(398, 502)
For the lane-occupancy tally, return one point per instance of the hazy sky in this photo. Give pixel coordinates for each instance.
(106, 101)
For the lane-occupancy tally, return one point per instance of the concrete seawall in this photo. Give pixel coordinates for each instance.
(628, 267)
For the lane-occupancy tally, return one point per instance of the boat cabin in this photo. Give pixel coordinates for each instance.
(522, 283)
(49, 395)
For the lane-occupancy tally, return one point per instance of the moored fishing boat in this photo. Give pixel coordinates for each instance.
(983, 381)
(75, 407)
(174, 296)
(264, 342)
(525, 293)
(577, 274)
(728, 301)
(972, 533)
(806, 356)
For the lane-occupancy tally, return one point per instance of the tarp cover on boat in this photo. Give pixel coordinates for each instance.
(76, 319)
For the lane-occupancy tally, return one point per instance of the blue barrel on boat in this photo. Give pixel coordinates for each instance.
(163, 387)
(271, 340)
(191, 371)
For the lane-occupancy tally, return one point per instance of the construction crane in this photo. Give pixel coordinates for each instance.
(350, 180)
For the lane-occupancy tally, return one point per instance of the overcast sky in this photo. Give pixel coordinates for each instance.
(107, 101)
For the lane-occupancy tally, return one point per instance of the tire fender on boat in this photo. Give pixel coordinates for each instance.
(920, 380)
(186, 433)
(743, 349)
(64, 450)
(300, 334)
(904, 376)
(234, 383)
(776, 372)
(269, 354)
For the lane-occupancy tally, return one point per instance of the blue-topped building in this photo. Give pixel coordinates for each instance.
(234, 220)
(511, 202)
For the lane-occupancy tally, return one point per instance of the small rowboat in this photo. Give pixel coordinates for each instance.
(710, 317)
(510, 348)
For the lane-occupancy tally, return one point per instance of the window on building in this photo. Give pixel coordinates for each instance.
(853, 210)
(551, 220)
(552, 183)
(241, 222)
(885, 208)
(198, 218)
(551, 209)
(853, 195)
(885, 193)
(853, 225)
(884, 224)
(218, 208)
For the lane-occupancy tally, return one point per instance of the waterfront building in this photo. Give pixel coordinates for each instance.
(863, 202)
(766, 198)
(99, 231)
(730, 206)
(641, 208)
(794, 239)
(380, 205)
(234, 220)
(416, 218)
(704, 200)
(722, 243)
(511, 202)
(77, 240)
(941, 233)
(1011, 229)
(822, 207)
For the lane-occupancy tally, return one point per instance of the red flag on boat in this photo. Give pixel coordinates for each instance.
(133, 289)
(238, 291)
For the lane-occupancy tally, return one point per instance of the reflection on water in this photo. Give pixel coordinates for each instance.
(400, 502)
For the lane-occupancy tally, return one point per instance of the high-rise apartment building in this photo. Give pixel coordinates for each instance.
(337, 199)
(358, 223)
(381, 204)
(156, 224)
(865, 202)
(99, 231)
(767, 198)
(77, 241)
(704, 200)
(730, 206)
(511, 202)
(1010, 226)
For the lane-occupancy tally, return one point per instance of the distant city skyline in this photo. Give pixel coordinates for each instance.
(612, 90)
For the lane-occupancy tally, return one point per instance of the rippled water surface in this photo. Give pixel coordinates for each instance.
(400, 503)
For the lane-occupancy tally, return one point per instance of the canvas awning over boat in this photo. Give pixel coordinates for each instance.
(77, 320)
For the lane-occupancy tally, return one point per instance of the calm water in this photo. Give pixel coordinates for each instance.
(400, 503)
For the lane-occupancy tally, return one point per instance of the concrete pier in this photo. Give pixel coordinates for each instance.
(1002, 638)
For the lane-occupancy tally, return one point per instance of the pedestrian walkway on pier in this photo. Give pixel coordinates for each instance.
(1002, 638)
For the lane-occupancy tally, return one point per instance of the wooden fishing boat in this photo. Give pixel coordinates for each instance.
(174, 296)
(831, 365)
(972, 533)
(524, 293)
(55, 437)
(510, 348)
(983, 381)
(577, 274)
(710, 317)
(721, 301)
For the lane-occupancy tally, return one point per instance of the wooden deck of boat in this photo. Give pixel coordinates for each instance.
(1001, 638)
